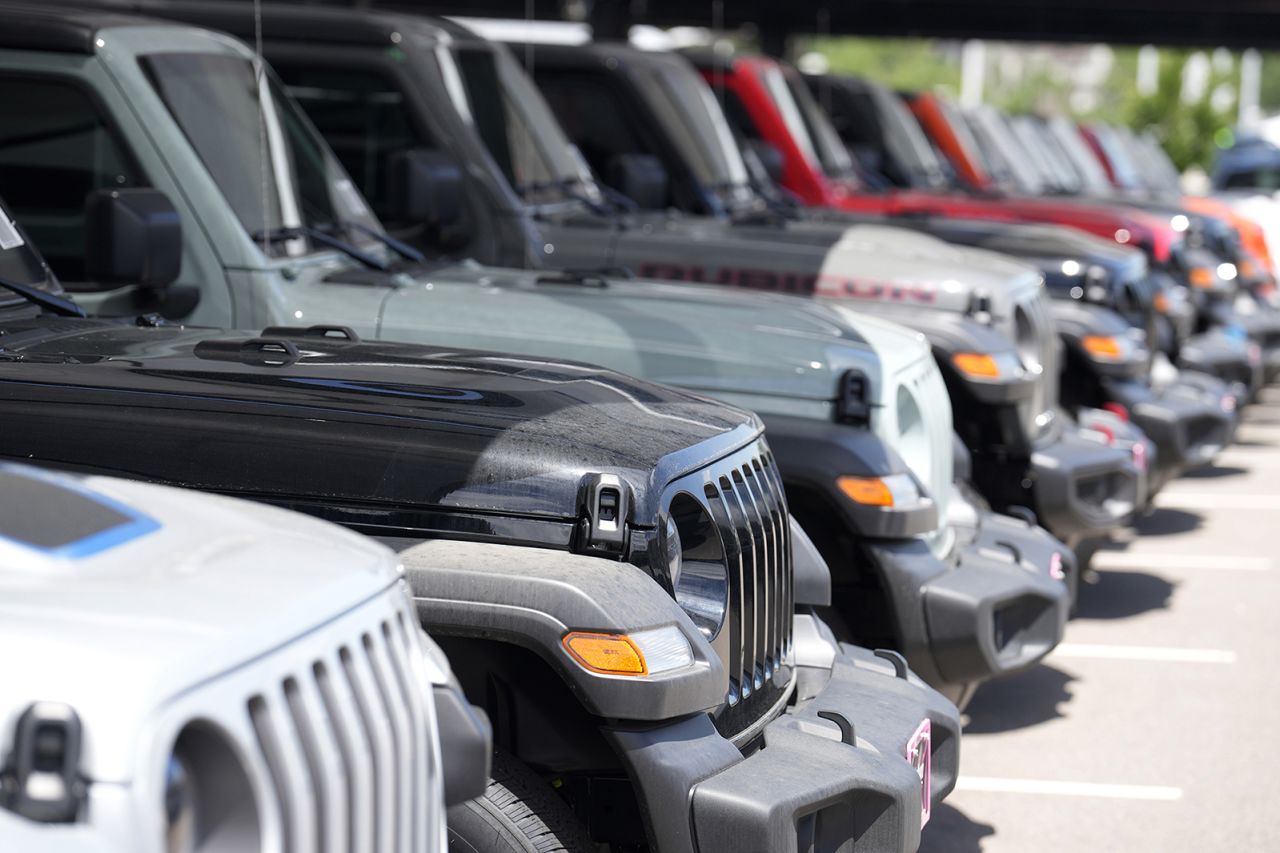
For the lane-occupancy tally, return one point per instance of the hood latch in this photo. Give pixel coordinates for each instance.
(605, 511)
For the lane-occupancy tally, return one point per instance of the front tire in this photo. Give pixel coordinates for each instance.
(518, 813)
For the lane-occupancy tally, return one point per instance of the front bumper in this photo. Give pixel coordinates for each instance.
(1032, 547)
(1226, 357)
(1188, 422)
(829, 773)
(1084, 488)
(1262, 325)
(994, 611)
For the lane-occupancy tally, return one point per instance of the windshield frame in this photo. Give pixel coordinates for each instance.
(285, 128)
(695, 124)
(570, 181)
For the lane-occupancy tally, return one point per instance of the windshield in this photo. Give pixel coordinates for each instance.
(1126, 175)
(776, 87)
(833, 157)
(1086, 164)
(999, 153)
(1054, 175)
(18, 261)
(906, 141)
(693, 119)
(269, 163)
(496, 97)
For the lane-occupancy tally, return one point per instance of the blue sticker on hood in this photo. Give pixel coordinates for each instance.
(58, 516)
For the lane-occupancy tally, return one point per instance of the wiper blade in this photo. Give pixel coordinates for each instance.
(566, 187)
(49, 301)
(276, 235)
(400, 247)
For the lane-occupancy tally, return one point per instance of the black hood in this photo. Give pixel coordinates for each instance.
(374, 427)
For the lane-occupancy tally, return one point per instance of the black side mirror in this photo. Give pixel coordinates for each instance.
(641, 178)
(132, 236)
(769, 156)
(424, 187)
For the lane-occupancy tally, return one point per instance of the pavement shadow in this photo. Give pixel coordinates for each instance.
(1169, 522)
(1250, 442)
(1119, 595)
(1019, 702)
(950, 831)
(1213, 472)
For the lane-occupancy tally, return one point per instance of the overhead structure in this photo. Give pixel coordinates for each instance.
(1228, 23)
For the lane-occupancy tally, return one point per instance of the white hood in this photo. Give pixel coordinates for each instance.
(186, 587)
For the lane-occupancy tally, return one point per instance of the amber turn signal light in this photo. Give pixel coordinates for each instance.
(976, 364)
(1101, 346)
(611, 654)
(1201, 277)
(868, 491)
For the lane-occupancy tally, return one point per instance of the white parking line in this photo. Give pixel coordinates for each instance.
(1178, 499)
(1104, 560)
(1068, 789)
(1164, 654)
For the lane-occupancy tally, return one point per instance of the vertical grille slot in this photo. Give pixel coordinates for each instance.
(378, 738)
(744, 498)
(346, 741)
(719, 511)
(357, 760)
(287, 767)
(752, 584)
(403, 651)
(766, 575)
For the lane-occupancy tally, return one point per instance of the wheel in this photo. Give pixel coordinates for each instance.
(518, 813)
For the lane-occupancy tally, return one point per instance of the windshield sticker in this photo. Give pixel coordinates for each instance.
(9, 236)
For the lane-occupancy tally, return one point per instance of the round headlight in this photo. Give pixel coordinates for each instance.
(209, 802)
(179, 806)
(700, 579)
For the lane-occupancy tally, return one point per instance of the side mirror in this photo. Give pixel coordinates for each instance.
(641, 178)
(769, 156)
(132, 236)
(424, 187)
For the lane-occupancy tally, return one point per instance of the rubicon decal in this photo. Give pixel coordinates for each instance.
(808, 284)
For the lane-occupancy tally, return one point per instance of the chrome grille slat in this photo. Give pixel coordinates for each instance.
(776, 530)
(393, 709)
(379, 741)
(324, 762)
(404, 652)
(719, 510)
(744, 497)
(280, 745)
(357, 758)
(344, 736)
(767, 606)
(750, 583)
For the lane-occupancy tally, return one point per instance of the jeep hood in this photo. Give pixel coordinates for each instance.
(384, 426)
(776, 350)
(116, 596)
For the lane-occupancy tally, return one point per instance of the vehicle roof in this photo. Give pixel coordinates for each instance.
(59, 29)
(302, 23)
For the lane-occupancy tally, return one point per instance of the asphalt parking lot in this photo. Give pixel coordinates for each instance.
(1148, 729)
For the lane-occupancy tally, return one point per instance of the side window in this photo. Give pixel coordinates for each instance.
(592, 116)
(56, 148)
(361, 114)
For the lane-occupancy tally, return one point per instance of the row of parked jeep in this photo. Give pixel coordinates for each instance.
(725, 428)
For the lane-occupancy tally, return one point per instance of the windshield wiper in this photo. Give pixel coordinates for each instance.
(566, 187)
(49, 301)
(277, 235)
(401, 248)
